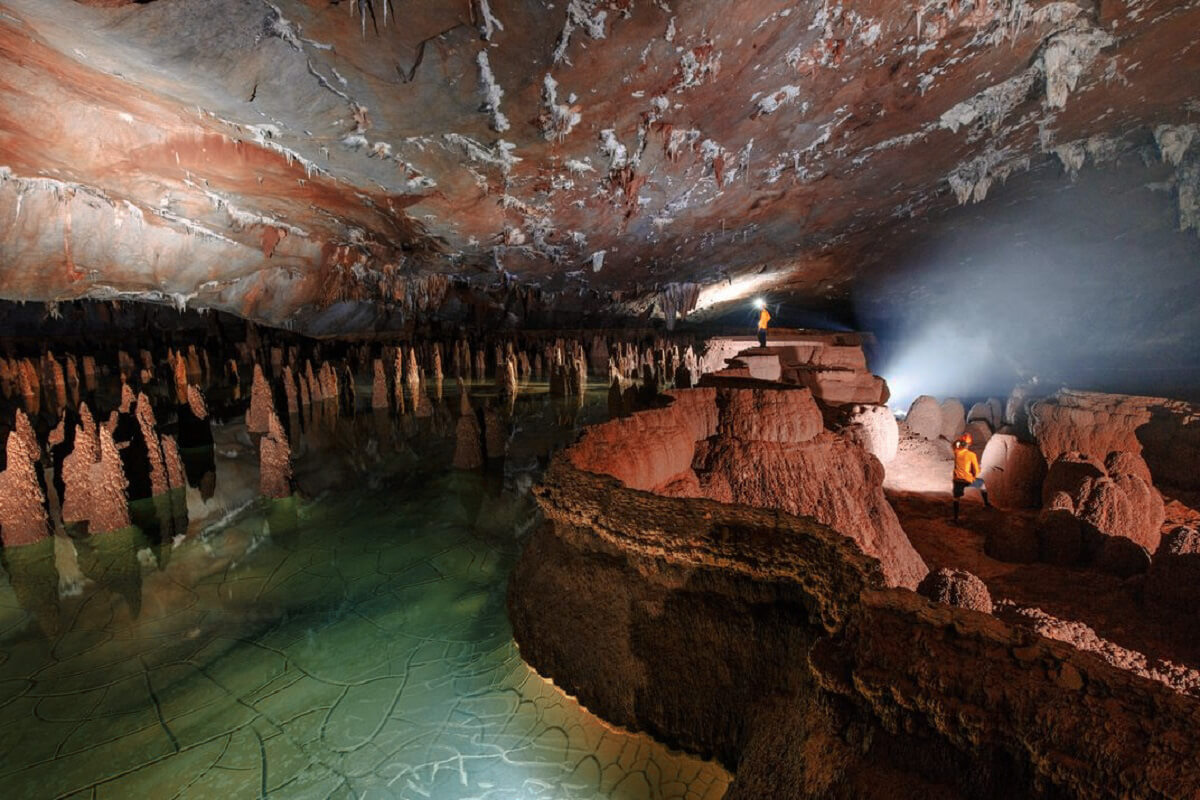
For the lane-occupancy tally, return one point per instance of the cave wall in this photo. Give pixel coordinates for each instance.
(768, 642)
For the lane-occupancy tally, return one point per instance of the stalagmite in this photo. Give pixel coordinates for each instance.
(77, 476)
(89, 373)
(58, 382)
(480, 365)
(149, 427)
(108, 508)
(261, 403)
(289, 392)
(23, 518)
(398, 381)
(180, 374)
(28, 383)
(468, 446)
(173, 463)
(379, 387)
(275, 461)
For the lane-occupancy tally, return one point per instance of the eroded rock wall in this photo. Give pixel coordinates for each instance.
(767, 641)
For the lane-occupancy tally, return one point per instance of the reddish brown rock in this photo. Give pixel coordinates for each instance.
(1120, 556)
(23, 518)
(149, 428)
(1073, 475)
(398, 381)
(1013, 471)
(495, 433)
(768, 415)
(1060, 537)
(829, 479)
(275, 460)
(1087, 422)
(261, 403)
(180, 374)
(290, 392)
(1174, 577)
(195, 402)
(174, 463)
(958, 588)
(379, 387)
(1014, 540)
(108, 508)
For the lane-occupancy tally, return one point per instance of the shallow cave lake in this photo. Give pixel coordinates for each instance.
(351, 641)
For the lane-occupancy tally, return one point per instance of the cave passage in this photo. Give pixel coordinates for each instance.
(354, 644)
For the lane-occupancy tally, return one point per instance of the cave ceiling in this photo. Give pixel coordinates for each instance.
(329, 165)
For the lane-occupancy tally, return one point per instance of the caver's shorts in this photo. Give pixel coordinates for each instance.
(962, 486)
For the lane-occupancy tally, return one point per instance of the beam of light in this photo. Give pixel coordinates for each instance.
(733, 289)
(945, 359)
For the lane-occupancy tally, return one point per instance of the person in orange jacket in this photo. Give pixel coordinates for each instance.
(966, 472)
(764, 317)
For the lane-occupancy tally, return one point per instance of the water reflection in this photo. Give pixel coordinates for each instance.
(350, 641)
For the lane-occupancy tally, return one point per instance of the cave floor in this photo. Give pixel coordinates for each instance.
(353, 644)
(1127, 632)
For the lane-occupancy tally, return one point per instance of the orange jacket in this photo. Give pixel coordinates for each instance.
(966, 465)
(763, 318)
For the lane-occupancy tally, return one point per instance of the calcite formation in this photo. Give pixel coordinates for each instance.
(275, 460)
(23, 518)
(769, 641)
(760, 447)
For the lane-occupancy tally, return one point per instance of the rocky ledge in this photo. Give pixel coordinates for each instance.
(772, 643)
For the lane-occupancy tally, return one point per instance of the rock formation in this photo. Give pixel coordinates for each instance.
(924, 418)
(874, 428)
(379, 387)
(766, 641)
(758, 447)
(958, 588)
(1174, 577)
(23, 518)
(1013, 471)
(149, 431)
(275, 460)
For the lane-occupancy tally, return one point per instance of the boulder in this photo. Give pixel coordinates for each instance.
(954, 418)
(1119, 556)
(1173, 580)
(1060, 537)
(1072, 474)
(956, 587)
(1014, 541)
(1108, 503)
(983, 412)
(924, 417)
(981, 434)
(1013, 471)
(875, 429)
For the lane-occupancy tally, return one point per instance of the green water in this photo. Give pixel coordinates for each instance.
(352, 643)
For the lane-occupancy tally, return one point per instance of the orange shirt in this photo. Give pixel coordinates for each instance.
(966, 465)
(763, 318)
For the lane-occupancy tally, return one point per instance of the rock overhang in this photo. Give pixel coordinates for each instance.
(277, 158)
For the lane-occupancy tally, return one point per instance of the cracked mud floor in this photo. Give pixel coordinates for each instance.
(352, 645)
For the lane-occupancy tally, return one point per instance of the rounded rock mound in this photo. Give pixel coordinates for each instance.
(958, 588)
